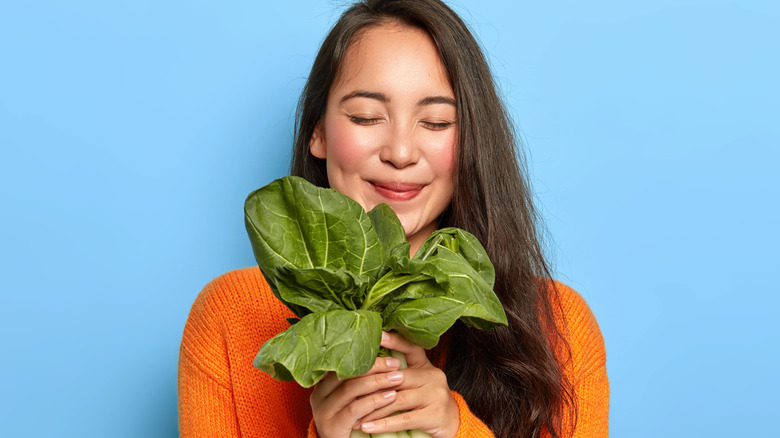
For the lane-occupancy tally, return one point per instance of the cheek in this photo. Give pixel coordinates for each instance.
(346, 145)
(443, 158)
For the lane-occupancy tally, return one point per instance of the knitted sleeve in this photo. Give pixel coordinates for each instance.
(221, 393)
(206, 407)
(587, 368)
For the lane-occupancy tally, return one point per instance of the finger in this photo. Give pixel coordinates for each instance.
(330, 382)
(425, 420)
(352, 414)
(324, 387)
(356, 387)
(341, 422)
(351, 389)
(421, 387)
(343, 410)
(404, 401)
(415, 355)
(393, 423)
(354, 398)
(415, 393)
(429, 377)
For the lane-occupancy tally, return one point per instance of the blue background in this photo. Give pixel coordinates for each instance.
(131, 133)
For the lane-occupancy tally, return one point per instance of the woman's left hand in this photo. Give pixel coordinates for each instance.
(424, 398)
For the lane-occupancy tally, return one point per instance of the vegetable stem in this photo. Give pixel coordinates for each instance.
(400, 356)
(433, 246)
(414, 433)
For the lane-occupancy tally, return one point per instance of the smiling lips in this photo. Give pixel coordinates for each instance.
(397, 191)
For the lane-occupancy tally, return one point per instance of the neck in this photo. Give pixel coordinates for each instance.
(417, 239)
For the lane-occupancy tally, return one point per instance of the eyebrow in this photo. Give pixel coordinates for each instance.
(368, 94)
(433, 100)
(381, 97)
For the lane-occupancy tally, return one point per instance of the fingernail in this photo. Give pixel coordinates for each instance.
(392, 362)
(395, 376)
(385, 336)
(388, 395)
(368, 426)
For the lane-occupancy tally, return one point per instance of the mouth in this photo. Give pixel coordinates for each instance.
(397, 191)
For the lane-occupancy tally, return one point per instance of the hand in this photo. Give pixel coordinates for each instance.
(366, 401)
(339, 405)
(424, 395)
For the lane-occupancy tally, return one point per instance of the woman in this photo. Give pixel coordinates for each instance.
(400, 108)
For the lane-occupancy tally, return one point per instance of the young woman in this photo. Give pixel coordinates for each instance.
(400, 108)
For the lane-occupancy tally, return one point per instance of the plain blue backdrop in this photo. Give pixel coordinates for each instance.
(131, 133)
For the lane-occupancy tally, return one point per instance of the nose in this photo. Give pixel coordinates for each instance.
(400, 149)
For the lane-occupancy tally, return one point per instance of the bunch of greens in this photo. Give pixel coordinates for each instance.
(347, 275)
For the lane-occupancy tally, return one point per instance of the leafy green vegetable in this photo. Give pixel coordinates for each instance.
(347, 275)
(316, 344)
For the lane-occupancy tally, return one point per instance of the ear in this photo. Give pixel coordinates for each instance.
(317, 145)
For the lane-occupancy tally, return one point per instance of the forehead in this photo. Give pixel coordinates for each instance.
(378, 52)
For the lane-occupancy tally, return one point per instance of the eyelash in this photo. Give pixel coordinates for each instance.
(363, 121)
(436, 126)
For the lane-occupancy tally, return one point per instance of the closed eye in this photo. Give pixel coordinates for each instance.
(364, 121)
(437, 126)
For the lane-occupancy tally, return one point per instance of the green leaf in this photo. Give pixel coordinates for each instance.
(422, 313)
(465, 284)
(343, 341)
(388, 229)
(466, 245)
(292, 223)
(347, 273)
(423, 321)
(406, 279)
(320, 289)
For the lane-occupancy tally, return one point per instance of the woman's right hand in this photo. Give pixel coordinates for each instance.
(339, 405)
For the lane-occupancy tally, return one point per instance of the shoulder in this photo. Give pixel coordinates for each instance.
(230, 305)
(234, 284)
(573, 308)
(230, 292)
(580, 329)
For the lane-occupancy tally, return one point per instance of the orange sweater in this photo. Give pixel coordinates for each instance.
(222, 395)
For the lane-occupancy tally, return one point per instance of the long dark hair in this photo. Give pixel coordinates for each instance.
(511, 377)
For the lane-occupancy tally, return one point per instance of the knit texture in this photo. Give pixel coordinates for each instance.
(222, 395)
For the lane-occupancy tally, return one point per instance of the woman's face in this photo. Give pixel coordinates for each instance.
(389, 130)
